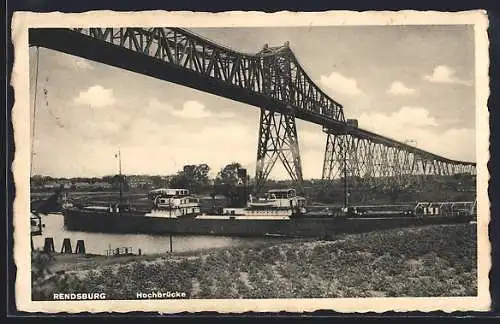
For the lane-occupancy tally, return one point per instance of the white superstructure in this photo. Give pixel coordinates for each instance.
(277, 198)
(278, 204)
(173, 203)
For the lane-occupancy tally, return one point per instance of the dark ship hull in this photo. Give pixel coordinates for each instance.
(299, 226)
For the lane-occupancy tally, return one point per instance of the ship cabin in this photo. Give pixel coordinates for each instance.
(277, 204)
(278, 198)
(173, 203)
(167, 192)
(173, 199)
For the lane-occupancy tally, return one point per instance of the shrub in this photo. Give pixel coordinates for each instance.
(430, 261)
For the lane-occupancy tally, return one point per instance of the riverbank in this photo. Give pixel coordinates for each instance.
(426, 261)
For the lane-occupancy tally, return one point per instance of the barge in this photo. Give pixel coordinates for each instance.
(279, 213)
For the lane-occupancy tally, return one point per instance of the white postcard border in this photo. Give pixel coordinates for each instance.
(21, 165)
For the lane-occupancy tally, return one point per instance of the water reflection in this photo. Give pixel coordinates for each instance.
(98, 243)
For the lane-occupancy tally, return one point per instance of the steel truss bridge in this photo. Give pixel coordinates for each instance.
(272, 80)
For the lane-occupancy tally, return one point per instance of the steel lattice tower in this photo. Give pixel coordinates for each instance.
(277, 141)
(277, 130)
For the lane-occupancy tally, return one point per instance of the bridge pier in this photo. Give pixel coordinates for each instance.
(335, 156)
(277, 141)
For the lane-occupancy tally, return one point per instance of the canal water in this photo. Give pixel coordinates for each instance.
(99, 243)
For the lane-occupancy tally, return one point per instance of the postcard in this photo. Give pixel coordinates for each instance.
(246, 161)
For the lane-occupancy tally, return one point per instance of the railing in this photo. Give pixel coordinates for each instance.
(421, 209)
(36, 225)
(446, 208)
(120, 251)
(274, 72)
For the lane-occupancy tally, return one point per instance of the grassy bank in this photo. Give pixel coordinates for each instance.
(427, 261)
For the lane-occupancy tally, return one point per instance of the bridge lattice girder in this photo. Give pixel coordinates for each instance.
(363, 158)
(273, 72)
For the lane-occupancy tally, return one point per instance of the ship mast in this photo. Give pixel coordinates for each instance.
(346, 188)
(120, 173)
(34, 111)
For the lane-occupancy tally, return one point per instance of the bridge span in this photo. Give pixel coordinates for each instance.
(272, 80)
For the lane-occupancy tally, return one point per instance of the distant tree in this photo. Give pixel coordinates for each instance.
(157, 181)
(108, 179)
(178, 181)
(192, 177)
(227, 183)
(229, 174)
(37, 180)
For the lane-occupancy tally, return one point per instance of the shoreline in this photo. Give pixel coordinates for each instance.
(436, 260)
(68, 261)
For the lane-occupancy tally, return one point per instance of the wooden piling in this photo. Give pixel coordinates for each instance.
(80, 247)
(66, 246)
(48, 246)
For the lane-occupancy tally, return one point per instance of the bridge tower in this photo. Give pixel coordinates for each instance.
(335, 160)
(342, 154)
(277, 130)
(277, 141)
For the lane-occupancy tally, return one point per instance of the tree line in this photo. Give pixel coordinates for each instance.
(234, 181)
(196, 178)
(193, 176)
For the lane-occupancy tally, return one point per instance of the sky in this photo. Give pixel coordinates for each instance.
(410, 83)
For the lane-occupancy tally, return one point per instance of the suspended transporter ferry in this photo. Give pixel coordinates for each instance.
(279, 213)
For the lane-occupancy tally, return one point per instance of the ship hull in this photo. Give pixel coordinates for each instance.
(105, 222)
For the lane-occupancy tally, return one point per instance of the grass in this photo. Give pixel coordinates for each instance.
(417, 262)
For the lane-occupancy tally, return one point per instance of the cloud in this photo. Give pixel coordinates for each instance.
(191, 109)
(225, 115)
(149, 148)
(68, 62)
(341, 84)
(399, 88)
(311, 139)
(405, 117)
(416, 125)
(96, 96)
(445, 74)
(193, 147)
(156, 150)
(82, 64)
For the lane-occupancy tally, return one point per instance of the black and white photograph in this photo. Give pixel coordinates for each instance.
(327, 160)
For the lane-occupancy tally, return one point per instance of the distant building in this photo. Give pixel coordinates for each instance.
(82, 185)
(51, 185)
(139, 181)
(102, 185)
(66, 185)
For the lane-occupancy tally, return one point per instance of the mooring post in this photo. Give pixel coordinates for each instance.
(48, 246)
(80, 247)
(66, 246)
